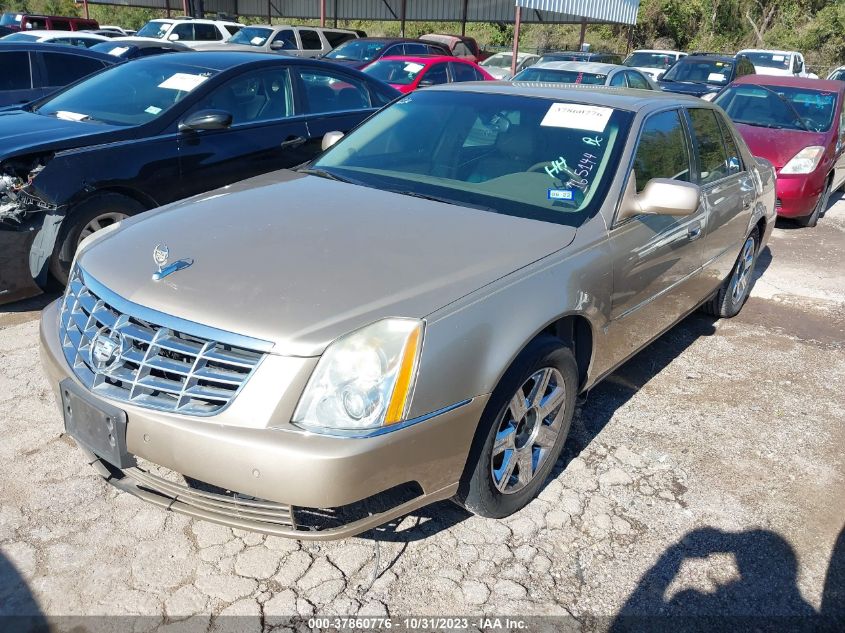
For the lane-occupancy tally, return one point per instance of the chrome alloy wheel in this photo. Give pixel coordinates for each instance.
(100, 222)
(744, 268)
(528, 430)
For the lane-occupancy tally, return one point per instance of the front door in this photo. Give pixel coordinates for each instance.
(656, 258)
(266, 132)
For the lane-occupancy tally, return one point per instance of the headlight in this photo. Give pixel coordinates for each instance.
(364, 380)
(805, 161)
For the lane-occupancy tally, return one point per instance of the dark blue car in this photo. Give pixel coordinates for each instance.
(28, 71)
(701, 74)
(152, 131)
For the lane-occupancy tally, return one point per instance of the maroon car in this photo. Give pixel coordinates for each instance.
(798, 124)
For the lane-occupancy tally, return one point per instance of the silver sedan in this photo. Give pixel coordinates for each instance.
(587, 73)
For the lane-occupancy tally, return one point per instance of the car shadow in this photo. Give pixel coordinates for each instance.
(19, 611)
(762, 595)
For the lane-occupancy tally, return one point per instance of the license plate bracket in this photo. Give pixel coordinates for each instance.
(96, 425)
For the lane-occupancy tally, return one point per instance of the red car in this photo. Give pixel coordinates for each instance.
(799, 126)
(406, 74)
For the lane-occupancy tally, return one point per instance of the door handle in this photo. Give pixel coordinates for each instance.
(292, 142)
(694, 231)
(746, 203)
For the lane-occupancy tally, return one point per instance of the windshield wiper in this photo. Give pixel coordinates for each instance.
(456, 203)
(771, 126)
(323, 173)
(791, 107)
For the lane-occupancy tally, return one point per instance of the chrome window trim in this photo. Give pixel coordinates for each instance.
(174, 323)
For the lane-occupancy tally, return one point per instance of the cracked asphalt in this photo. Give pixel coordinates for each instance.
(704, 477)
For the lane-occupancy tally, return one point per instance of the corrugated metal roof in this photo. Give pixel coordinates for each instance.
(549, 11)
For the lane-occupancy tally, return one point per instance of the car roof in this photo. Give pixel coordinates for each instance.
(656, 50)
(47, 33)
(58, 48)
(831, 85)
(596, 68)
(709, 58)
(147, 42)
(223, 60)
(765, 50)
(423, 59)
(620, 98)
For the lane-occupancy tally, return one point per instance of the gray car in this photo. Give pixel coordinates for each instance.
(409, 318)
(587, 73)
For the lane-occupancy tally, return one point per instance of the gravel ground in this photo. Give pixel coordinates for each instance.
(704, 477)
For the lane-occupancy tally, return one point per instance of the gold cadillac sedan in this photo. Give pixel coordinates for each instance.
(410, 317)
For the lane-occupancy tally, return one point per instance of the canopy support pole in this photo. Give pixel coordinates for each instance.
(517, 24)
(402, 18)
(85, 4)
(464, 19)
(269, 12)
(630, 39)
(335, 13)
(323, 14)
(185, 6)
(583, 34)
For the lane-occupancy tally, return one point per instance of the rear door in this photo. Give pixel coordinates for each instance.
(267, 132)
(727, 189)
(656, 258)
(16, 78)
(312, 45)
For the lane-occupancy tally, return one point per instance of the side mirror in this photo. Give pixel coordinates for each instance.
(710, 96)
(278, 45)
(426, 82)
(330, 139)
(173, 37)
(206, 120)
(661, 196)
(660, 76)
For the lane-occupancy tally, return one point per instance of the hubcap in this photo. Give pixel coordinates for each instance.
(528, 430)
(744, 269)
(100, 222)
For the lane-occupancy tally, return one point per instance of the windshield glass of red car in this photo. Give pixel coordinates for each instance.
(779, 107)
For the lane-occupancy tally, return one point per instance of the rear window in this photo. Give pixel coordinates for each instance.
(336, 38)
(16, 74)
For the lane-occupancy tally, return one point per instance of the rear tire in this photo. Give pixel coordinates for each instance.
(733, 293)
(83, 219)
(812, 220)
(522, 430)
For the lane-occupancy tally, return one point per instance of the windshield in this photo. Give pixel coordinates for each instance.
(649, 60)
(562, 57)
(128, 94)
(707, 71)
(20, 37)
(838, 75)
(548, 75)
(779, 107)
(251, 36)
(498, 61)
(769, 60)
(395, 71)
(357, 50)
(154, 28)
(530, 157)
(10, 19)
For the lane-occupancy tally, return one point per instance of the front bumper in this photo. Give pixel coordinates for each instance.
(798, 194)
(280, 480)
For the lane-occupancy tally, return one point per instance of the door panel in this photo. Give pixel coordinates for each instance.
(657, 259)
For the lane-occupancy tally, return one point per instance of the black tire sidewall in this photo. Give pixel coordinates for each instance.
(77, 217)
(476, 491)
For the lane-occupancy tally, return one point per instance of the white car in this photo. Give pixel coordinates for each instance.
(778, 63)
(499, 65)
(117, 29)
(837, 74)
(193, 32)
(71, 38)
(652, 62)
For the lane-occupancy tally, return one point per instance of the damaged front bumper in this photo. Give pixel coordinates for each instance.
(28, 230)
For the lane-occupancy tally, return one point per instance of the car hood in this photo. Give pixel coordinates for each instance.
(299, 260)
(688, 87)
(778, 146)
(22, 131)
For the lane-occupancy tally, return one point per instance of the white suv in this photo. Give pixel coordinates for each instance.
(780, 63)
(193, 32)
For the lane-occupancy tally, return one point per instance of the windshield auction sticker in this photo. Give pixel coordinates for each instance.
(182, 81)
(577, 117)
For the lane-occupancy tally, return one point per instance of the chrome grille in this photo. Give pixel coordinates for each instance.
(159, 367)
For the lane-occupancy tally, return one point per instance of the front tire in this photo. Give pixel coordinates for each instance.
(82, 220)
(812, 220)
(733, 294)
(522, 430)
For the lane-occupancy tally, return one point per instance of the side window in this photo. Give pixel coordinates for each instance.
(636, 80)
(184, 31)
(207, 33)
(734, 157)
(16, 73)
(330, 91)
(64, 69)
(336, 38)
(618, 80)
(662, 151)
(287, 38)
(434, 50)
(413, 48)
(310, 40)
(263, 95)
(461, 50)
(398, 49)
(712, 158)
(232, 28)
(463, 72)
(435, 75)
(60, 25)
